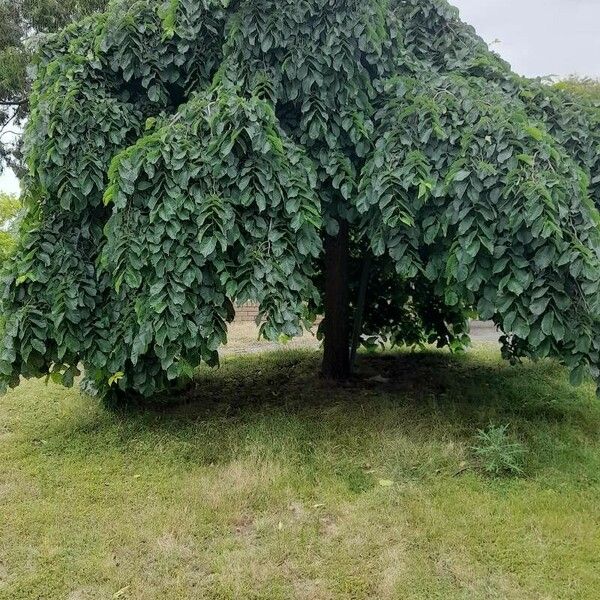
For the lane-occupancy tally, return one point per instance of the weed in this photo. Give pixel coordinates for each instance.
(497, 452)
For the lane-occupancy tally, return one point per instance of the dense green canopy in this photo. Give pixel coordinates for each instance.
(184, 154)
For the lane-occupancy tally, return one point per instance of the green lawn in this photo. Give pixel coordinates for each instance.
(267, 484)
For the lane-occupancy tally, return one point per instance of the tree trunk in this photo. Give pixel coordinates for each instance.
(359, 313)
(336, 359)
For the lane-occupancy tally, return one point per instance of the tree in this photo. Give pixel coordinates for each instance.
(10, 207)
(584, 86)
(372, 158)
(21, 21)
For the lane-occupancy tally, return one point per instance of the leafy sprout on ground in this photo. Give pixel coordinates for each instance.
(498, 452)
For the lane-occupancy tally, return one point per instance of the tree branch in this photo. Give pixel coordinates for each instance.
(13, 103)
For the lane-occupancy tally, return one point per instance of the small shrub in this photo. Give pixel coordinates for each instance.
(497, 452)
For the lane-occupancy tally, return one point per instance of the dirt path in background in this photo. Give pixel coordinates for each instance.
(243, 339)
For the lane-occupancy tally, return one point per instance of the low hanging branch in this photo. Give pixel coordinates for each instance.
(199, 158)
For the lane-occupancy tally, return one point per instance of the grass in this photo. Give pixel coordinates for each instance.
(265, 483)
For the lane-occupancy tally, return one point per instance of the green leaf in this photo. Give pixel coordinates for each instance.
(113, 379)
(461, 175)
(207, 246)
(539, 306)
(535, 133)
(577, 375)
(548, 323)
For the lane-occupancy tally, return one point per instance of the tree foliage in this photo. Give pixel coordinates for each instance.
(584, 86)
(183, 155)
(10, 208)
(21, 23)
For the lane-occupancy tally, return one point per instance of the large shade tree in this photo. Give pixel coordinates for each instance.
(371, 160)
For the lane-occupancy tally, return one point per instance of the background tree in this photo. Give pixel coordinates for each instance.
(585, 86)
(10, 208)
(21, 22)
(321, 154)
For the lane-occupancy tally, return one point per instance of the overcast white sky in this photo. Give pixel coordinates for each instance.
(538, 37)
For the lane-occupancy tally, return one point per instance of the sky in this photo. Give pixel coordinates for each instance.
(537, 37)
(540, 37)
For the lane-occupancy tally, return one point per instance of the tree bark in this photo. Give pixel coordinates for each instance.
(336, 358)
(359, 314)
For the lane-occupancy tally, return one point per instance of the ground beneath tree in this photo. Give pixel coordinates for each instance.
(263, 482)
